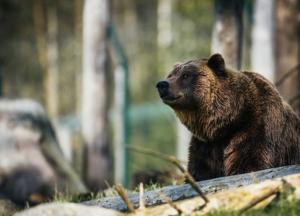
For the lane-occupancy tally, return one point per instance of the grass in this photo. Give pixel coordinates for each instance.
(280, 207)
(77, 198)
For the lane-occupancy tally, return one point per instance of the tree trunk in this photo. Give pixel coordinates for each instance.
(164, 40)
(39, 28)
(262, 58)
(52, 54)
(1, 80)
(94, 96)
(183, 141)
(287, 48)
(41, 42)
(185, 191)
(227, 31)
(119, 130)
(78, 6)
(77, 150)
(164, 23)
(47, 48)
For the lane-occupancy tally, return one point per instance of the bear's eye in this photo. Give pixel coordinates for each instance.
(185, 76)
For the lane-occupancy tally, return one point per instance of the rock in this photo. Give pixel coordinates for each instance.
(67, 209)
(7, 207)
(23, 126)
(31, 161)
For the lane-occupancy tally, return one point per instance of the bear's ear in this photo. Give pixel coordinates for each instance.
(217, 64)
(177, 64)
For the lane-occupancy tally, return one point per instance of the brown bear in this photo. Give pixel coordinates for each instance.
(238, 120)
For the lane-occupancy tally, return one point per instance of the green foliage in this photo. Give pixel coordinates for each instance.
(193, 23)
(78, 198)
(154, 133)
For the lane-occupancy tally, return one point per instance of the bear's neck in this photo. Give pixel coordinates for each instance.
(194, 123)
(211, 127)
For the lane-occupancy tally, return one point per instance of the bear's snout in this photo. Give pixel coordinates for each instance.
(162, 87)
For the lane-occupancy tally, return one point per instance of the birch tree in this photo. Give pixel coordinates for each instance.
(164, 40)
(262, 57)
(94, 95)
(52, 60)
(227, 31)
(46, 31)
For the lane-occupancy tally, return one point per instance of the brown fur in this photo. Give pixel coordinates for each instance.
(238, 120)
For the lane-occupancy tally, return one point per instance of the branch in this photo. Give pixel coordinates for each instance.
(176, 162)
(170, 202)
(194, 185)
(171, 159)
(142, 201)
(120, 190)
(287, 75)
(293, 99)
(259, 199)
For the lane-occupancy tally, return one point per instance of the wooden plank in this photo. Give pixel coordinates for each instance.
(179, 192)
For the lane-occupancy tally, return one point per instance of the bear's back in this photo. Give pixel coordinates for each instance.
(281, 123)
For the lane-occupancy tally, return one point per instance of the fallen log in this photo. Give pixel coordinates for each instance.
(280, 196)
(180, 192)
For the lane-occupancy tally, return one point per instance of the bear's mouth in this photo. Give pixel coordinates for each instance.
(171, 99)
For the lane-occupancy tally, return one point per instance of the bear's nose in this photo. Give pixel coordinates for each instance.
(162, 88)
(162, 85)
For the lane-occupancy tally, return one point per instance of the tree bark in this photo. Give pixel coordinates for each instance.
(47, 47)
(287, 48)
(52, 55)
(262, 58)
(94, 96)
(78, 6)
(183, 141)
(164, 23)
(227, 31)
(39, 28)
(39, 24)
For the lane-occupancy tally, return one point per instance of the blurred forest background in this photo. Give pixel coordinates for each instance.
(94, 64)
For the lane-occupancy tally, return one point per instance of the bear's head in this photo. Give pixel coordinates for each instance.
(199, 92)
(189, 85)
